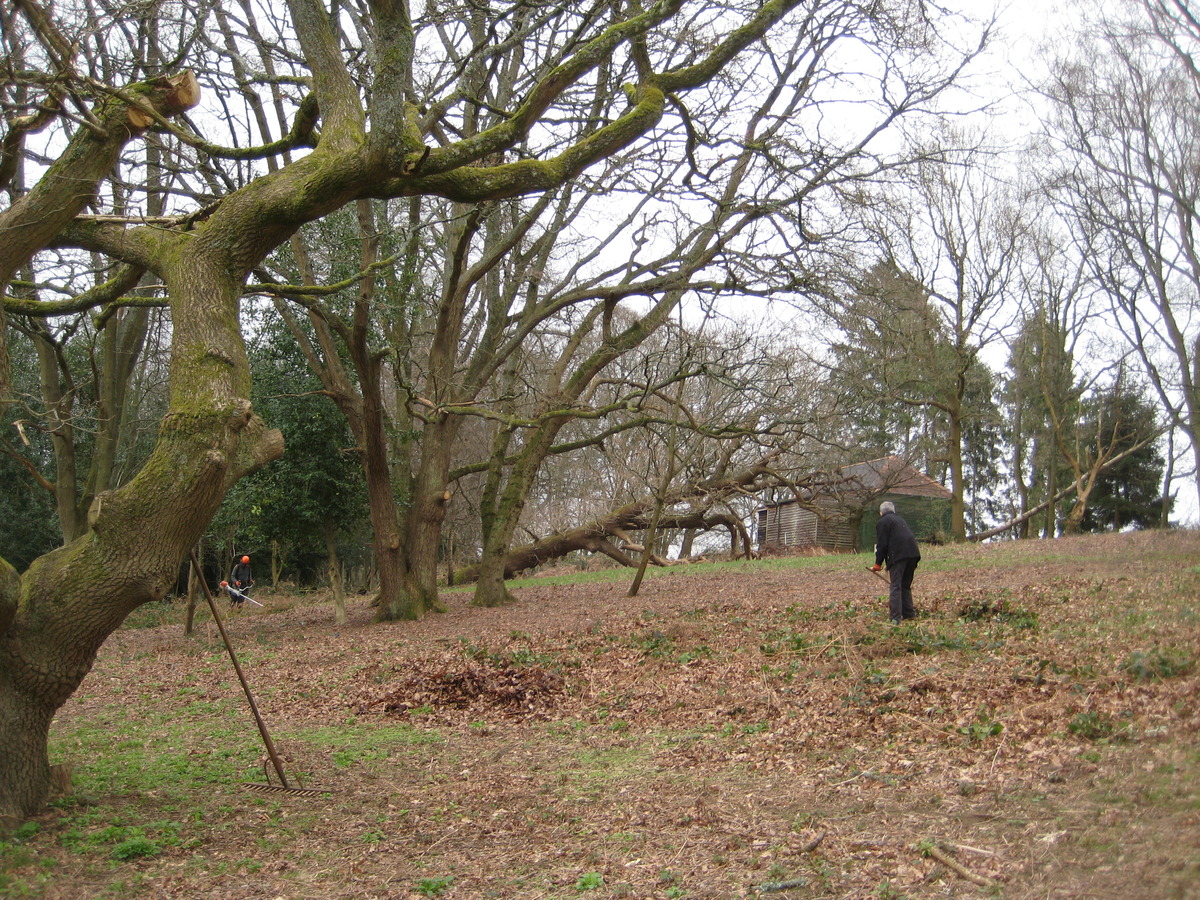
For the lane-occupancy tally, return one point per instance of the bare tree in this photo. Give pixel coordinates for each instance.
(1127, 113)
(952, 238)
(474, 285)
(741, 229)
(55, 616)
(692, 409)
(1108, 432)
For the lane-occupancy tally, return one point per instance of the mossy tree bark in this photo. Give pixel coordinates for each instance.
(59, 613)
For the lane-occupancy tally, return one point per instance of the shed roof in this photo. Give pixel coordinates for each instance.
(861, 482)
(892, 475)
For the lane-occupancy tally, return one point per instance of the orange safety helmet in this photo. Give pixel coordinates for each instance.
(245, 559)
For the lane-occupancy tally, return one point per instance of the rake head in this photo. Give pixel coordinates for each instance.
(260, 788)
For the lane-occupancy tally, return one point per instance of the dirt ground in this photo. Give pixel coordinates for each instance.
(734, 731)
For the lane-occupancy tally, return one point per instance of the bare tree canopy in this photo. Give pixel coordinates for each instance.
(1126, 111)
(173, 148)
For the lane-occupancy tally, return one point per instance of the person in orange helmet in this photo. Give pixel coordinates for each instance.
(240, 579)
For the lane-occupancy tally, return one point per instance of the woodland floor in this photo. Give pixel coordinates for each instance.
(733, 729)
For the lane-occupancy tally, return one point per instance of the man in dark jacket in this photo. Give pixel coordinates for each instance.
(240, 579)
(896, 545)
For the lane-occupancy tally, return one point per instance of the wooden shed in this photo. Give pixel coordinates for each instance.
(840, 516)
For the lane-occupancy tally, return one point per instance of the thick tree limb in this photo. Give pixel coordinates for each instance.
(594, 537)
(108, 294)
(38, 217)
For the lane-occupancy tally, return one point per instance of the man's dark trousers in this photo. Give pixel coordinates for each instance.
(900, 604)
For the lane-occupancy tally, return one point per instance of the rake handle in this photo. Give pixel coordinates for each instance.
(878, 574)
(262, 726)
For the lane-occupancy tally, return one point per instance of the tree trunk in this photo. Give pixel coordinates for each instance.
(648, 553)
(1050, 521)
(59, 423)
(389, 553)
(500, 526)
(365, 415)
(277, 563)
(1018, 466)
(73, 598)
(451, 559)
(334, 568)
(685, 548)
(490, 590)
(427, 511)
(408, 555)
(24, 765)
(1164, 515)
(958, 517)
(1073, 523)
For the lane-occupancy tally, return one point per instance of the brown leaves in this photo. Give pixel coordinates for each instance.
(480, 687)
(696, 740)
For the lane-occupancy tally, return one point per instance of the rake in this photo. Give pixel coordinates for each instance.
(268, 787)
(879, 574)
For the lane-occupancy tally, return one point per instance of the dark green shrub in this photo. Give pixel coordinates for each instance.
(135, 848)
(1095, 726)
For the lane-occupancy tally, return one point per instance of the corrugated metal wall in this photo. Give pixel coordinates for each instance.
(790, 525)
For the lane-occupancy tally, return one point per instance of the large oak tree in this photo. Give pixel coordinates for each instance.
(357, 135)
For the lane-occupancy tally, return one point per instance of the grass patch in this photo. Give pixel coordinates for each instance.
(1097, 726)
(1158, 664)
(748, 567)
(352, 745)
(212, 745)
(122, 842)
(998, 609)
(435, 887)
(23, 872)
(610, 765)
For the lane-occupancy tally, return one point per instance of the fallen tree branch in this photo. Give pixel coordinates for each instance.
(1072, 488)
(814, 843)
(950, 863)
(968, 849)
(691, 506)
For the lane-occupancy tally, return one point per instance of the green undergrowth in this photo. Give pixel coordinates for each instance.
(749, 567)
(358, 745)
(168, 757)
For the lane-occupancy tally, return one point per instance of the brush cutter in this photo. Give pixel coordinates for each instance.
(237, 595)
(283, 785)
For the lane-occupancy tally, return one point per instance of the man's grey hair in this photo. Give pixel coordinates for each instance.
(887, 506)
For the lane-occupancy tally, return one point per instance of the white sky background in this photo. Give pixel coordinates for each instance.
(1028, 33)
(1031, 32)
(1025, 29)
